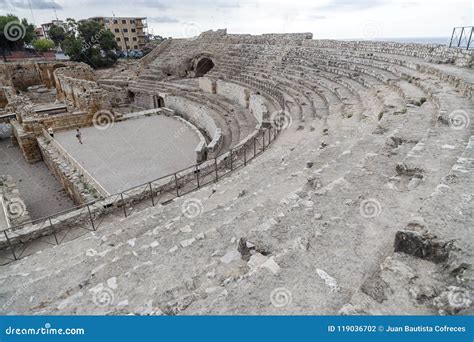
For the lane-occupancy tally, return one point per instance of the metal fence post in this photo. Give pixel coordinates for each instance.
(254, 146)
(470, 38)
(10, 245)
(452, 37)
(263, 140)
(245, 155)
(90, 217)
(197, 176)
(460, 37)
(54, 231)
(124, 205)
(176, 184)
(215, 166)
(151, 194)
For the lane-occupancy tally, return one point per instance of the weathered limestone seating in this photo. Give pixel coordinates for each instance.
(445, 252)
(225, 123)
(431, 53)
(374, 125)
(13, 209)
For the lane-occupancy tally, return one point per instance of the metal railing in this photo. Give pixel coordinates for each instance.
(54, 229)
(462, 37)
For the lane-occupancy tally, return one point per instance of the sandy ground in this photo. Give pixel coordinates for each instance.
(133, 152)
(41, 192)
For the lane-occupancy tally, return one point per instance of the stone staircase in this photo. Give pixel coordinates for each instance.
(362, 206)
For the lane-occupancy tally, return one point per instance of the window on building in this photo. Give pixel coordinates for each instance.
(133, 30)
(124, 21)
(125, 30)
(135, 47)
(132, 21)
(115, 21)
(117, 30)
(118, 39)
(134, 39)
(126, 39)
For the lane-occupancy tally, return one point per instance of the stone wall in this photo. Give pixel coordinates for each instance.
(255, 103)
(192, 112)
(3, 98)
(59, 122)
(258, 108)
(27, 143)
(267, 39)
(233, 92)
(13, 207)
(24, 74)
(77, 86)
(73, 181)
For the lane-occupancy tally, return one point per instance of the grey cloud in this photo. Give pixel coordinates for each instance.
(351, 5)
(163, 19)
(34, 4)
(317, 17)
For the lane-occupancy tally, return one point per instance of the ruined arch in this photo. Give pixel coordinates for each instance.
(158, 101)
(203, 66)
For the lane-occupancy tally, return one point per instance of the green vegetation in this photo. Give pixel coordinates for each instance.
(89, 42)
(57, 34)
(43, 45)
(14, 34)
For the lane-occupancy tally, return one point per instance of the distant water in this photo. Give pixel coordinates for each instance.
(419, 40)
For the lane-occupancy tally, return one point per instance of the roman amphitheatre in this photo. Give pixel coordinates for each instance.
(240, 174)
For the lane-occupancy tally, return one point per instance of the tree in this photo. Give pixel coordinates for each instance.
(14, 34)
(43, 45)
(71, 26)
(57, 34)
(91, 43)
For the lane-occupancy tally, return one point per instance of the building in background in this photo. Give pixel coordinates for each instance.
(43, 31)
(130, 32)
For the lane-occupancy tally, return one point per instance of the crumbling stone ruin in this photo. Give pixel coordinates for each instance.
(362, 204)
(13, 209)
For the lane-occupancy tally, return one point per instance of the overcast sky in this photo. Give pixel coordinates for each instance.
(339, 19)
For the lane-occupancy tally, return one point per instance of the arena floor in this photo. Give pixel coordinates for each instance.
(132, 152)
(42, 193)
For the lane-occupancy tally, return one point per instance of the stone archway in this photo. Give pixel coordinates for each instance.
(158, 101)
(203, 66)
